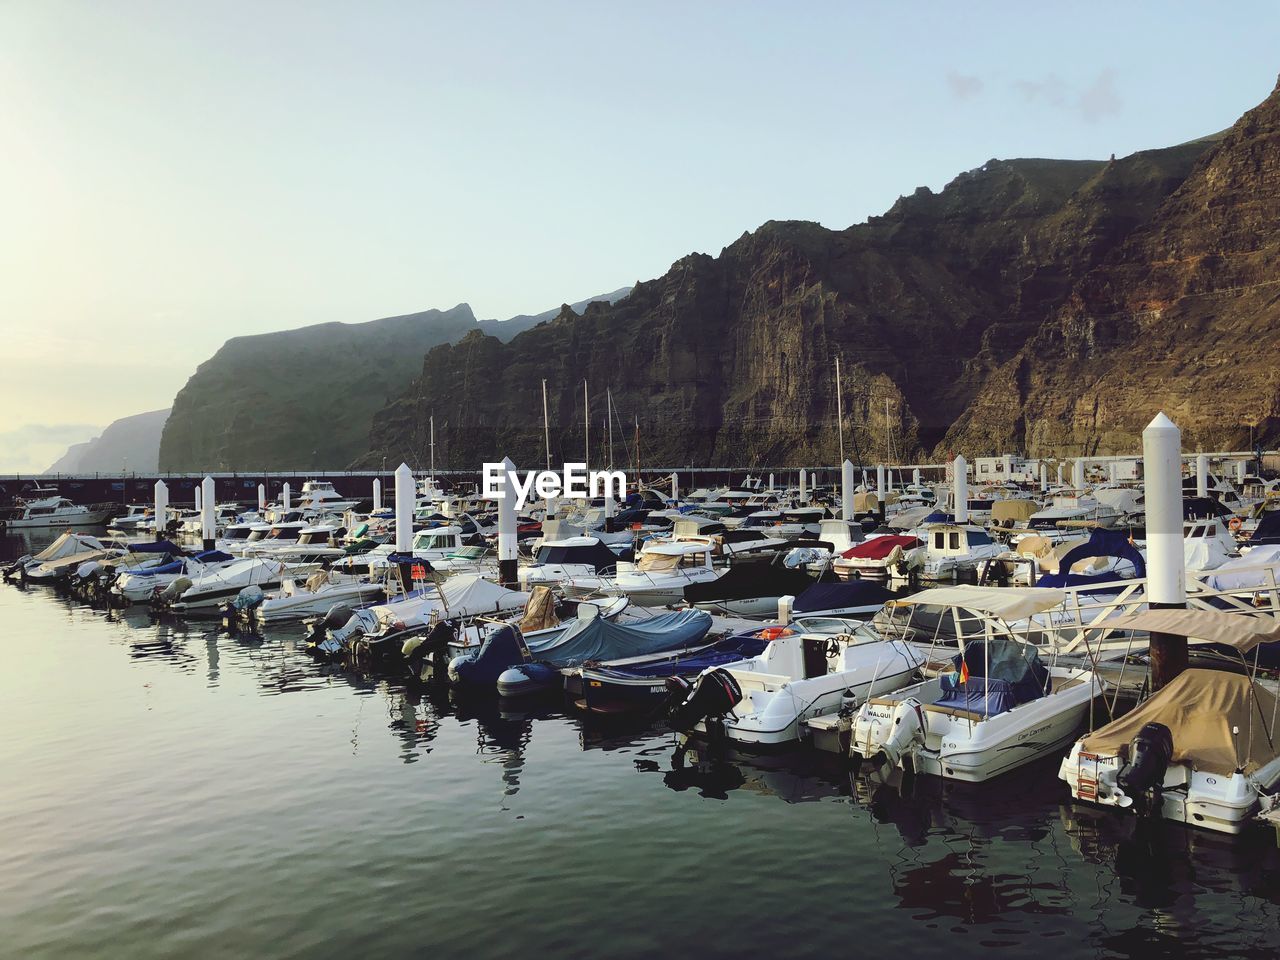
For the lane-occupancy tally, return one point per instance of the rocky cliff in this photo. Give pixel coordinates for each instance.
(944, 313)
(1181, 317)
(303, 399)
(131, 443)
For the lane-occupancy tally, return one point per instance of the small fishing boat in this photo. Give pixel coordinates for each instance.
(952, 548)
(140, 584)
(557, 560)
(211, 588)
(859, 599)
(67, 545)
(318, 594)
(1203, 750)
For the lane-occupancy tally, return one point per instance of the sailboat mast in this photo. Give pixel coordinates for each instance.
(840, 409)
(433, 451)
(546, 423)
(608, 399)
(637, 451)
(586, 426)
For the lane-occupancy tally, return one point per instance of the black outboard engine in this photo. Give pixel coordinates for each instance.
(433, 649)
(1149, 755)
(714, 694)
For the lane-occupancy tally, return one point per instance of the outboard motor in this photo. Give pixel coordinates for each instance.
(173, 591)
(713, 694)
(427, 654)
(1142, 777)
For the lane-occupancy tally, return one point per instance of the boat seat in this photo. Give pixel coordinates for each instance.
(766, 682)
(955, 711)
(1066, 684)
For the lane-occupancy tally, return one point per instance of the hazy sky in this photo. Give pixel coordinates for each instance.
(176, 173)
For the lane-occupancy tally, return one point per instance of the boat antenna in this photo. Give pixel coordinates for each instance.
(586, 426)
(608, 395)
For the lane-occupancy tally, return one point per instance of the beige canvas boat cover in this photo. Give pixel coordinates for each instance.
(652, 561)
(1200, 708)
(1239, 630)
(1005, 513)
(540, 611)
(1007, 603)
(1035, 546)
(865, 503)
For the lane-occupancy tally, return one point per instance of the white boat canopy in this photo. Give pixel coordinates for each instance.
(1007, 603)
(1201, 708)
(1241, 631)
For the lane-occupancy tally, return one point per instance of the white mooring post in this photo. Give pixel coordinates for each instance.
(1044, 476)
(208, 525)
(804, 492)
(882, 490)
(1077, 474)
(262, 499)
(507, 533)
(1059, 473)
(915, 476)
(1242, 467)
(960, 488)
(846, 491)
(1166, 570)
(284, 497)
(377, 494)
(406, 499)
(1202, 475)
(199, 503)
(161, 519)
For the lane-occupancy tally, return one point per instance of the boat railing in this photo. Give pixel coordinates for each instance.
(1079, 625)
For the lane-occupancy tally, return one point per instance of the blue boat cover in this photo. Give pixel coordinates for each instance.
(833, 596)
(156, 546)
(985, 696)
(1268, 529)
(582, 640)
(1101, 543)
(175, 566)
(729, 650)
(1018, 665)
(213, 556)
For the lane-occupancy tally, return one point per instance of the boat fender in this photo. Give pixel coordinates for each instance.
(1149, 755)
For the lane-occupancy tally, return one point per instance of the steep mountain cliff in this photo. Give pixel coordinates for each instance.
(936, 308)
(131, 443)
(304, 398)
(1181, 317)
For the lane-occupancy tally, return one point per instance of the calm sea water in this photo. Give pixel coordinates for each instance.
(167, 791)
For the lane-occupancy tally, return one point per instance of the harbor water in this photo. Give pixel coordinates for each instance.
(172, 791)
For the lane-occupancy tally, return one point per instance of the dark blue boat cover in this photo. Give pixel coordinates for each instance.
(833, 596)
(729, 650)
(985, 696)
(1016, 664)
(1101, 543)
(155, 546)
(1268, 529)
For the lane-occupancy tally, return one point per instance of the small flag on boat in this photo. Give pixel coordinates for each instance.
(964, 670)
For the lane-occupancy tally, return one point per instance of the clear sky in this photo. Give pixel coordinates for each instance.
(176, 173)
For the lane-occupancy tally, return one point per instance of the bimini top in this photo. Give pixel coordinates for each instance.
(1101, 544)
(1007, 512)
(1239, 630)
(1007, 603)
(1200, 708)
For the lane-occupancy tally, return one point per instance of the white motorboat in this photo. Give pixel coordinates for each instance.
(136, 518)
(558, 560)
(659, 577)
(314, 597)
(137, 585)
(1203, 750)
(764, 701)
(209, 589)
(56, 512)
(320, 497)
(950, 548)
(996, 708)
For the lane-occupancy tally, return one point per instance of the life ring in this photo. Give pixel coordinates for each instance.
(1235, 523)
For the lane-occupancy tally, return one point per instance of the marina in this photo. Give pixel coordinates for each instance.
(386, 680)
